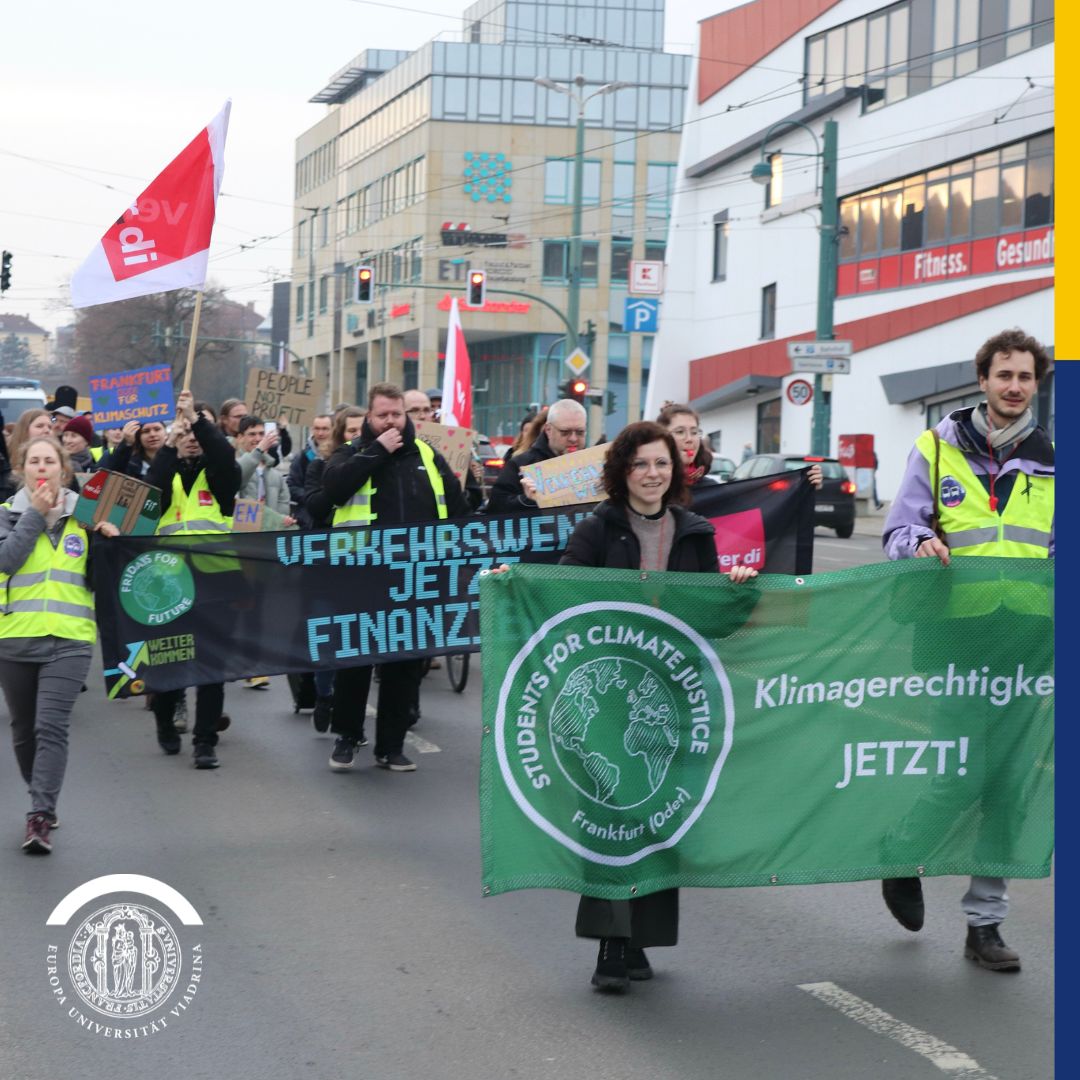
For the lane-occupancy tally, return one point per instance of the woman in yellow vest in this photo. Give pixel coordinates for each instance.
(47, 627)
(197, 473)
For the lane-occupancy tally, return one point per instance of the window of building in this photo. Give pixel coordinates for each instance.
(659, 188)
(299, 303)
(556, 261)
(768, 311)
(301, 237)
(774, 189)
(655, 250)
(999, 191)
(909, 47)
(324, 226)
(324, 293)
(622, 189)
(622, 248)
(559, 182)
(720, 246)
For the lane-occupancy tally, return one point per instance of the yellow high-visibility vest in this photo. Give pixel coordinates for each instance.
(358, 510)
(48, 595)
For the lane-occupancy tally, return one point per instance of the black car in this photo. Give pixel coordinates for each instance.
(834, 503)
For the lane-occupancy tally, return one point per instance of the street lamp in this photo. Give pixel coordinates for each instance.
(761, 173)
(574, 91)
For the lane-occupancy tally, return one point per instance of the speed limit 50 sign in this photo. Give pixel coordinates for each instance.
(799, 392)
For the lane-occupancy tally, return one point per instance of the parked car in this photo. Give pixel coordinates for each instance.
(834, 503)
(491, 459)
(17, 395)
(721, 468)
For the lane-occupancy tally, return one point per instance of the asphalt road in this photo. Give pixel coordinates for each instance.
(344, 934)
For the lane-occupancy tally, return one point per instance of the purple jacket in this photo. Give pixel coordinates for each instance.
(908, 522)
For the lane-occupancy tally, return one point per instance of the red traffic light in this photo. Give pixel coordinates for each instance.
(579, 386)
(476, 293)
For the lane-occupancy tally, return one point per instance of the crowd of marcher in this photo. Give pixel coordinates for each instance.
(363, 466)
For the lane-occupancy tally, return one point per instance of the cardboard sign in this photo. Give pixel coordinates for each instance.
(571, 478)
(269, 395)
(145, 394)
(454, 443)
(248, 516)
(133, 506)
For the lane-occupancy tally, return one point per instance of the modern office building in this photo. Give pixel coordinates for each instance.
(945, 194)
(452, 157)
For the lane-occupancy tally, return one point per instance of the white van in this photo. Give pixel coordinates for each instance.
(17, 395)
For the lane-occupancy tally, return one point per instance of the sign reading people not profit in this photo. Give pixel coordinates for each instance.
(144, 394)
(648, 731)
(272, 395)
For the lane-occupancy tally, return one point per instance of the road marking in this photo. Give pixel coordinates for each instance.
(955, 1062)
(421, 746)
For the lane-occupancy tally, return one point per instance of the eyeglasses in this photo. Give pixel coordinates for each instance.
(566, 432)
(681, 432)
(661, 464)
(420, 410)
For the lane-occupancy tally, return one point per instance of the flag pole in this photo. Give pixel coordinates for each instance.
(192, 340)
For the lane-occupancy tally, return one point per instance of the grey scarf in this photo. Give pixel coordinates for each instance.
(1011, 434)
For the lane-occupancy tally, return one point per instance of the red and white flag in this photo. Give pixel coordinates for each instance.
(162, 240)
(457, 377)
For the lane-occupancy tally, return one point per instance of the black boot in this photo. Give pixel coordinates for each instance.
(985, 947)
(611, 973)
(903, 897)
(167, 736)
(637, 964)
(324, 709)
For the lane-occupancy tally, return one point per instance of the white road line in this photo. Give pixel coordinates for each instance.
(955, 1063)
(421, 746)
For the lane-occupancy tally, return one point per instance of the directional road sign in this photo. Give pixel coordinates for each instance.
(818, 348)
(641, 315)
(825, 365)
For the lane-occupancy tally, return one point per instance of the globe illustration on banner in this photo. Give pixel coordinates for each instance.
(158, 591)
(619, 759)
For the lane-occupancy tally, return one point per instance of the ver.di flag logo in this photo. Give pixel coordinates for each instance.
(162, 240)
(629, 709)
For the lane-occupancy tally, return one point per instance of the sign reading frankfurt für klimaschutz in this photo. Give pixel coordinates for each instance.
(613, 724)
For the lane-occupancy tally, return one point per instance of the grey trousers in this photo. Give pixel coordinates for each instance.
(986, 902)
(40, 695)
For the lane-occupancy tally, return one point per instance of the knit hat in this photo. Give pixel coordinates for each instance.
(81, 425)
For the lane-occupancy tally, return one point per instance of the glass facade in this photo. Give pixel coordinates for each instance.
(906, 48)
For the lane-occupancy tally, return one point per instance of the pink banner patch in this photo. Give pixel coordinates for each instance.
(740, 540)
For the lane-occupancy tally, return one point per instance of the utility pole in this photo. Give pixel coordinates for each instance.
(820, 434)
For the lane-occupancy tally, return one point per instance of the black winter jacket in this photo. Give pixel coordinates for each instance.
(402, 490)
(606, 539)
(218, 458)
(506, 495)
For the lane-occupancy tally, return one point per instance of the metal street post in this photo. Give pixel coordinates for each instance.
(820, 437)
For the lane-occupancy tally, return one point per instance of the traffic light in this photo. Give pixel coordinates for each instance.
(365, 285)
(477, 290)
(5, 271)
(575, 389)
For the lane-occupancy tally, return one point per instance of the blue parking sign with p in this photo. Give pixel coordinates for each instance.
(641, 315)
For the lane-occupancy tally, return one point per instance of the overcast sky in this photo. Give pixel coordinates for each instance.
(98, 98)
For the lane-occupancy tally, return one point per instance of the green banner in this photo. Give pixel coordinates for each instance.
(644, 731)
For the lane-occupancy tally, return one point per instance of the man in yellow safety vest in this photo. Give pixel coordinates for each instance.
(386, 476)
(980, 483)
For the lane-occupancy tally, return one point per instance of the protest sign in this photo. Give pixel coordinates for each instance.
(569, 478)
(144, 394)
(132, 505)
(650, 731)
(454, 443)
(271, 395)
(248, 515)
(347, 596)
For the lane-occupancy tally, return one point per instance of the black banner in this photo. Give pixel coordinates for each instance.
(182, 611)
